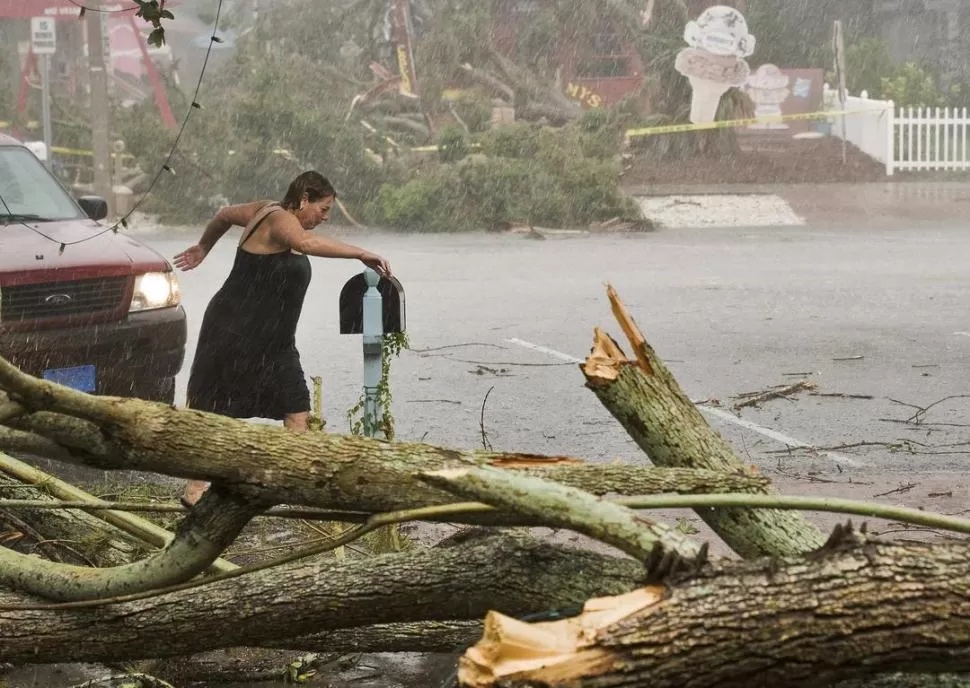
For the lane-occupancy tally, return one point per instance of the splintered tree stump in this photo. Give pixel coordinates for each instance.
(648, 402)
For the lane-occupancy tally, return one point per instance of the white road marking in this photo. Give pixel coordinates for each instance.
(721, 414)
(964, 334)
(544, 349)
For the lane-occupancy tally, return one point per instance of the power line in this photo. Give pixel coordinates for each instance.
(166, 166)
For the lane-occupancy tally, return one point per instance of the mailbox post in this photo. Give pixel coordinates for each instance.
(373, 306)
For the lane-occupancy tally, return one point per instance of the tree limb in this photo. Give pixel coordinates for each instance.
(421, 636)
(42, 395)
(139, 528)
(661, 549)
(490, 81)
(211, 527)
(103, 545)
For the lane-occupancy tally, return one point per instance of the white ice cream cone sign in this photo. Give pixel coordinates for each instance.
(768, 89)
(719, 41)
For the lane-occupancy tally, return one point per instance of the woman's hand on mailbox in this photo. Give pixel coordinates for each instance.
(375, 262)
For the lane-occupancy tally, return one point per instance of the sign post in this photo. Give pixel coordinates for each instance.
(838, 48)
(43, 43)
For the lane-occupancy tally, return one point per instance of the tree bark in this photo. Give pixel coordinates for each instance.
(422, 636)
(211, 527)
(661, 549)
(460, 582)
(313, 469)
(97, 543)
(648, 402)
(838, 615)
(105, 525)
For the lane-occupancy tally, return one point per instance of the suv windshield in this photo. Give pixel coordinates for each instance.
(29, 192)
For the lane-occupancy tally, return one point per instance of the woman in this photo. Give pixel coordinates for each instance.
(246, 363)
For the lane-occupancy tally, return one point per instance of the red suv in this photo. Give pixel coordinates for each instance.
(80, 305)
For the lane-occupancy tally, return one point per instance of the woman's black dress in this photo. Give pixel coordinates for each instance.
(246, 363)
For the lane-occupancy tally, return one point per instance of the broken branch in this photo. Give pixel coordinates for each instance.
(757, 398)
(661, 549)
(649, 403)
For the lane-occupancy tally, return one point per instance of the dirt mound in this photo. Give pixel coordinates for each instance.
(771, 161)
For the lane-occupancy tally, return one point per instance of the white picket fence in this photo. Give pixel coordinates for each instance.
(904, 139)
(932, 139)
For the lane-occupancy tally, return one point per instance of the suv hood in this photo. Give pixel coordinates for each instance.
(25, 255)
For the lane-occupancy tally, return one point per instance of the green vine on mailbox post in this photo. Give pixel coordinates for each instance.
(392, 346)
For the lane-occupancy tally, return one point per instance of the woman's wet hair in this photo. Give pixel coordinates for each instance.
(311, 183)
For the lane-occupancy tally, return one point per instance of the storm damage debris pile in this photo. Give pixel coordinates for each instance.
(794, 608)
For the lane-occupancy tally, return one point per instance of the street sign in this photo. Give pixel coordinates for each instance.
(838, 49)
(43, 36)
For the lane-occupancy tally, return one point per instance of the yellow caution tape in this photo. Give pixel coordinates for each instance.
(731, 123)
(30, 125)
(71, 151)
(432, 149)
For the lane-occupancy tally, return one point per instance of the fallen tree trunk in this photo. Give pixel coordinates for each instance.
(798, 623)
(313, 469)
(489, 81)
(648, 402)
(460, 582)
(845, 613)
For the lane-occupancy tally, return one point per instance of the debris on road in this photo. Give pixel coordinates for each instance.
(783, 391)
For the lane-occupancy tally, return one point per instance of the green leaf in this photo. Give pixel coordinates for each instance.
(157, 38)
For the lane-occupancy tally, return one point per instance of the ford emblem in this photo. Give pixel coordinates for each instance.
(58, 299)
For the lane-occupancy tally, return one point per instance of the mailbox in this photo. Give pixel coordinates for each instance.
(352, 305)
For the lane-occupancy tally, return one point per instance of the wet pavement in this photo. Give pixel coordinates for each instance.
(877, 313)
(857, 312)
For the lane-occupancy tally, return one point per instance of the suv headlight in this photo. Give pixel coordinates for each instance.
(155, 290)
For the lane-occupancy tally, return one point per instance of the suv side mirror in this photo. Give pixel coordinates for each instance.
(95, 206)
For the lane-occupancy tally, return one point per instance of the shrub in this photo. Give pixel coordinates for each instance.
(484, 193)
(475, 111)
(452, 144)
(512, 141)
(912, 85)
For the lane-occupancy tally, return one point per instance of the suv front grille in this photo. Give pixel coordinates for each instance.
(90, 297)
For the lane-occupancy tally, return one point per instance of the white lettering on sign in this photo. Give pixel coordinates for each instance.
(43, 36)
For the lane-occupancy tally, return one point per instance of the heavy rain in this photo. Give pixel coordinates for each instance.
(420, 343)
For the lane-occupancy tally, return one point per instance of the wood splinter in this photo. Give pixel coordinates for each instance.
(551, 651)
